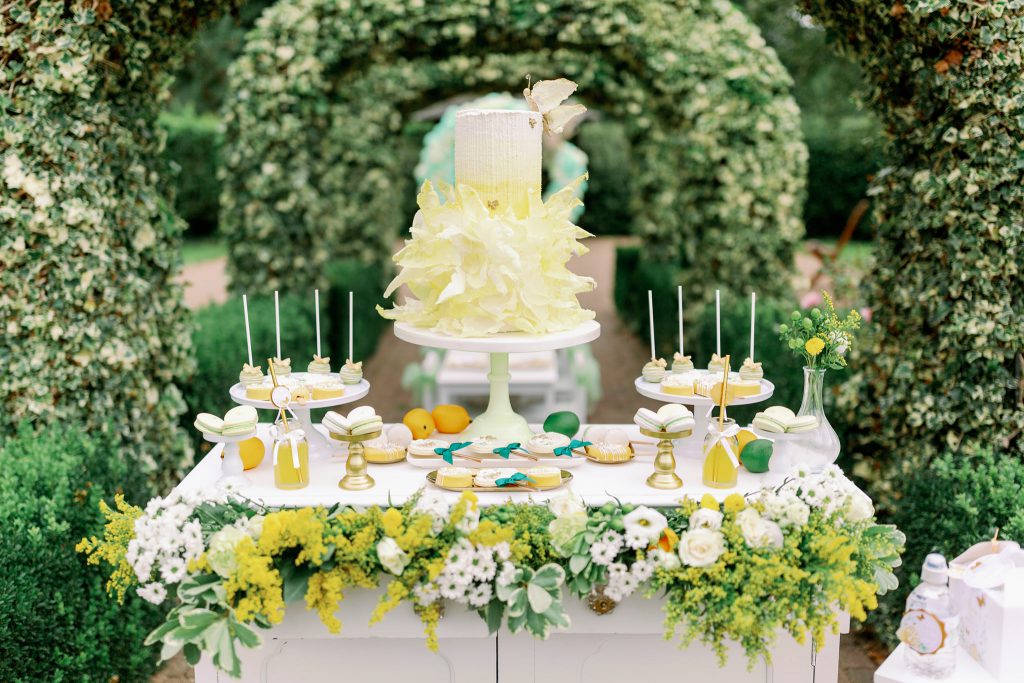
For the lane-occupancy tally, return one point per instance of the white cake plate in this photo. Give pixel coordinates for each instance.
(499, 419)
(318, 443)
(701, 406)
(232, 477)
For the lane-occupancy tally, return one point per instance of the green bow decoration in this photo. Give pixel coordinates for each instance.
(573, 445)
(448, 453)
(506, 451)
(513, 480)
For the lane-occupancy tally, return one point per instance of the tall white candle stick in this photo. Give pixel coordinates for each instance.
(248, 335)
(650, 317)
(753, 305)
(277, 323)
(682, 349)
(718, 322)
(350, 335)
(316, 305)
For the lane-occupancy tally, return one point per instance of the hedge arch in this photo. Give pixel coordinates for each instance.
(944, 371)
(93, 324)
(323, 88)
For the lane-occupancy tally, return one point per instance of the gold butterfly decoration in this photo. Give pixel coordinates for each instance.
(546, 98)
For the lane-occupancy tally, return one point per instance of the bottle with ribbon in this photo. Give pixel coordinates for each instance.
(291, 457)
(721, 445)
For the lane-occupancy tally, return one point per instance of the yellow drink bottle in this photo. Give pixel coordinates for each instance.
(720, 470)
(291, 460)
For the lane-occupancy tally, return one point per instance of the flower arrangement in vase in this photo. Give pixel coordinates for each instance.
(823, 339)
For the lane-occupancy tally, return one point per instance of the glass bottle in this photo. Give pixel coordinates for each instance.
(291, 459)
(820, 446)
(719, 470)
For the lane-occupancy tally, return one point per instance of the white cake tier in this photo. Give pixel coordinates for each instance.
(498, 154)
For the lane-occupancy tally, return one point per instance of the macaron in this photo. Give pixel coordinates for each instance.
(780, 413)
(336, 422)
(804, 423)
(366, 425)
(208, 423)
(673, 410)
(648, 419)
(239, 420)
(360, 413)
(767, 423)
(679, 423)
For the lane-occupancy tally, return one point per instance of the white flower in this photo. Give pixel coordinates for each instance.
(425, 594)
(759, 532)
(152, 592)
(480, 594)
(858, 506)
(705, 518)
(221, 553)
(173, 571)
(701, 547)
(643, 526)
(391, 556)
(606, 548)
(483, 567)
(796, 514)
(642, 570)
(502, 551)
(507, 574)
(435, 505)
(665, 560)
(470, 520)
(566, 504)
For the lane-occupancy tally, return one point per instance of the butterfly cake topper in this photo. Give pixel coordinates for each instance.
(547, 97)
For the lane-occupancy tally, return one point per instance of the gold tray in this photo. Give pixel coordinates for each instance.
(566, 478)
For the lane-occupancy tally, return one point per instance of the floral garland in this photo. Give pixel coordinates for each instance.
(779, 558)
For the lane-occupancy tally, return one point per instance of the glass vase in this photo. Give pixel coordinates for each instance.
(818, 447)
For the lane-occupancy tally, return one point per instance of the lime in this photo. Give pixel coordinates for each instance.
(756, 454)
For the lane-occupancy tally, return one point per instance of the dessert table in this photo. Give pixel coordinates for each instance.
(598, 648)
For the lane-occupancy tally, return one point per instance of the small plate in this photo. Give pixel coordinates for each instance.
(566, 478)
(374, 461)
(632, 456)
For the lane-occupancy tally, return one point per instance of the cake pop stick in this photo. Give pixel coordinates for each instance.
(650, 317)
(277, 322)
(725, 393)
(316, 305)
(248, 335)
(718, 322)
(753, 306)
(351, 356)
(682, 349)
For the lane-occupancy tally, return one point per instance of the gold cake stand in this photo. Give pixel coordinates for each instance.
(356, 477)
(665, 476)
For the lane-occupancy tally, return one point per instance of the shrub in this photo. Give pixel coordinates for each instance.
(219, 338)
(193, 149)
(93, 323)
(948, 506)
(312, 165)
(609, 194)
(56, 621)
(942, 371)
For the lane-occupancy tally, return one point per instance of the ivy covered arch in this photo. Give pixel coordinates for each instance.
(321, 92)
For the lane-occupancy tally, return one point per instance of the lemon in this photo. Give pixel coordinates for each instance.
(252, 452)
(745, 436)
(450, 419)
(419, 422)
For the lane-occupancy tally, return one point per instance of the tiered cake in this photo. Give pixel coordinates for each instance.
(490, 255)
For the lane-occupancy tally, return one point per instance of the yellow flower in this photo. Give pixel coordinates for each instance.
(708, 502)
(392, 522)
(814, 346)
(734, 502)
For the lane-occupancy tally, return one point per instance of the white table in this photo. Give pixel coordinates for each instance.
(894, 670)
(624, 645)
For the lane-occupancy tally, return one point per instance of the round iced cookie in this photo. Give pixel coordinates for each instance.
(250, 375)
(424, 448)
(544, 477)
(546, 443)
(485, 445)
(654, 371)
(351, 373)
(319, 366)
(751, 371)
(454, 477)
(681, 364)
(678, 385)
(488, 478)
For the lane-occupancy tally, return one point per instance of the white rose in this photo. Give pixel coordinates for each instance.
(221, 551)
(859, 507)
(566, 504)
(705, 518)
(759, 532)
(391, 557)
(795, 514)
(701, 547)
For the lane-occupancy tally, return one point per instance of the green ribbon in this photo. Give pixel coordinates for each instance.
(506, 451)
(448, 453)
(513, 480)
(573, 445)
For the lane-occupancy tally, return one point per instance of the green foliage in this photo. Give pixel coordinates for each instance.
(819, 336)
(634, 276)
(219, 339)
(193, 148)
(948, 506)
(609, 189)
(943, 370)
(56, 621)
(312, 169)
(94, 328)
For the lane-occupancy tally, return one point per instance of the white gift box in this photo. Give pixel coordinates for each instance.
(992, 609)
